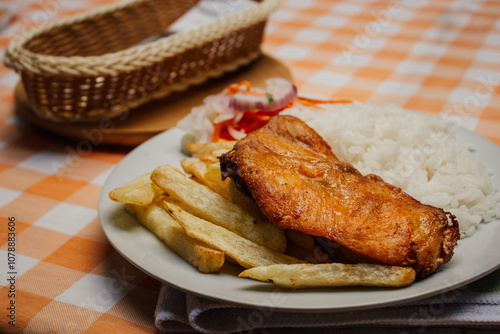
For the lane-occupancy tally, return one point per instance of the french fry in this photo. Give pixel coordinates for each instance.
(247, 253)
(213, 173)
(199, 169)
(208, 158)
(200, 148)
(213, 207)
(332, 275)
(234, 195)
(140, 191)
(208, 222)
(158, 221)
(242, 200)
(213, 156)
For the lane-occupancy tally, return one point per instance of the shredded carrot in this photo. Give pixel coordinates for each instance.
(217, 131)
(300, 98)
(251, 121)
(253, 92)
(314, 102)
(308, 103)
(235, 88)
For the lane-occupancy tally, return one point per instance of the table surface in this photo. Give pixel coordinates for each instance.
(436, 57)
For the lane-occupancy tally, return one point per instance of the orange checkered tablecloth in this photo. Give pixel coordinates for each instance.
(434, 57)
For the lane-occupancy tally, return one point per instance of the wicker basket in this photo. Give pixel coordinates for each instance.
(91, 66)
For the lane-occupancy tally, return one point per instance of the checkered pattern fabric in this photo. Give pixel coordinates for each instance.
(427, 56)
(437, 57)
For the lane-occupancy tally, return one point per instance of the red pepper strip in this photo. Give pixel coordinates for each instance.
(252, 121)
(226, 135)
(250, 125)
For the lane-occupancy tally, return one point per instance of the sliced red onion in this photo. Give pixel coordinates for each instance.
(198, 123)
(235, 133)
(278, 94)
(238, 116)
(219, 105)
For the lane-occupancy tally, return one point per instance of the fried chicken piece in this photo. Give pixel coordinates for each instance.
(298, 183)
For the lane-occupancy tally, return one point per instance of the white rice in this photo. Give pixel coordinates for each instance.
(416, 152)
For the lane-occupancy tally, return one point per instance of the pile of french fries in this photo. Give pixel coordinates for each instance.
(208, 222)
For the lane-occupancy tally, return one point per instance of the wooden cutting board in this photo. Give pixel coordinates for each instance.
(156, 116)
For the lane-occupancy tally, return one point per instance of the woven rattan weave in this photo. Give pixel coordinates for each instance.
(96, 65)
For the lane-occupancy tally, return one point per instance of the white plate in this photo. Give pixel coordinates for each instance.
(473, 257)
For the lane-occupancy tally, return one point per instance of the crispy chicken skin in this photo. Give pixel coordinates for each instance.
(298, 183)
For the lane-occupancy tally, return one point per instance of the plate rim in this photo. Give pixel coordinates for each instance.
(103, 199)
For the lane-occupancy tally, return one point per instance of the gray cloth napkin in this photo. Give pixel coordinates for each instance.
(476, 306)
